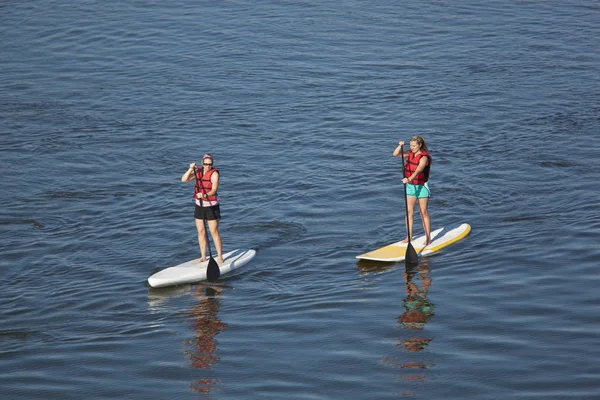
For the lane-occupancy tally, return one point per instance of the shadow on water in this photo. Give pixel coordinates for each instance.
(158, 296)
(366, 267)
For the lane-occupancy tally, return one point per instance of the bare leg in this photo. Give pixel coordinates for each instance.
(410, 202)
(201, 238)
(214, 232)
(423, 204)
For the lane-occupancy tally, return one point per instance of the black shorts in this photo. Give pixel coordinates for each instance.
(207, 213)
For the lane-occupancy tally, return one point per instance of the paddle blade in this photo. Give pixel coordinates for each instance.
(411, 257)
(212, 271)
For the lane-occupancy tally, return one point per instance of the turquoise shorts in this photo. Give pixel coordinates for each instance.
(418, 191)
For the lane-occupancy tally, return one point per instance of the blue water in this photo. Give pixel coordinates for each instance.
(104, 104)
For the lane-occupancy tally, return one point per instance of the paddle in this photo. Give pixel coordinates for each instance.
(212, 271)
(411, 257)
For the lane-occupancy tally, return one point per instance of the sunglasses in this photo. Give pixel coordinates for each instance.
(206, 163)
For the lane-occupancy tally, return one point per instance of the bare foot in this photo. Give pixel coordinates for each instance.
(427, 242)
(201, 259)
(220, 260)
(405, 240)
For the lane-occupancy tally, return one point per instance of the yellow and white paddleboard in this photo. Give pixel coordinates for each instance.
(440, 238)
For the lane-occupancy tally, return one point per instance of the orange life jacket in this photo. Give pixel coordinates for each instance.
(412, 162)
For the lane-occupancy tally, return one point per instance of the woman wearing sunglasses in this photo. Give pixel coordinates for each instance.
(207, 203)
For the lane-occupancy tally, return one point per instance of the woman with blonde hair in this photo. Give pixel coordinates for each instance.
(416, 179)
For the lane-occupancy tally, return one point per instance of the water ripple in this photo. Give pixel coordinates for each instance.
(103, 106)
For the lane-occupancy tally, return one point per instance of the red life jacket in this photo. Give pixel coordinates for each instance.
(205, 184)
(412, 162)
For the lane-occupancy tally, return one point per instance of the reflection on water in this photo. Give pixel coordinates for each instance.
(418, 310)
(202, 347)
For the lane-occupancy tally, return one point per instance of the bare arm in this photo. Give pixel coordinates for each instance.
(189, 174)
(398, 150)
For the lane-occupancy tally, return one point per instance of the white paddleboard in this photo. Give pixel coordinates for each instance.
(440, 238)
(193, 271)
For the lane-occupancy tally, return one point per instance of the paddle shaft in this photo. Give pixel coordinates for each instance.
(213, 272)
(199, 189)
(405, 195)
(411, 257)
